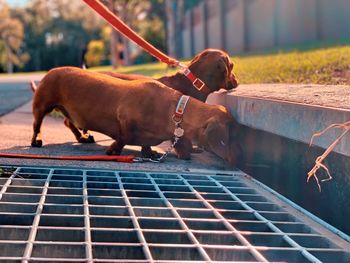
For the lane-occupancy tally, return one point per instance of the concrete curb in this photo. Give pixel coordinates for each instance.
(293, 120)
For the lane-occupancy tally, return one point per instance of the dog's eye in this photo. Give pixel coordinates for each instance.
(222, 143)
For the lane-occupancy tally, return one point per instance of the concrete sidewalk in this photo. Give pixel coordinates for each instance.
(21, 77)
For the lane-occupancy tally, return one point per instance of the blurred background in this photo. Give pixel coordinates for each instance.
(36, 35)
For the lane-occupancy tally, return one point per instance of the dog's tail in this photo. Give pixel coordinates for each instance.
(33, 86)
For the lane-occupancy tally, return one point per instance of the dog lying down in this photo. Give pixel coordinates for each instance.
(138, 112)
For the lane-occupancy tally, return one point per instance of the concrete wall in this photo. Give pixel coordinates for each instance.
(214, 24)
(243, 25)
(198, 28)
(186, 36)
(334, 18)
(259, 19)
(234, 30)
(296, 22)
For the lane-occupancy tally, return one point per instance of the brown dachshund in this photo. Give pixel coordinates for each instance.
(212, 66)
(132, 112)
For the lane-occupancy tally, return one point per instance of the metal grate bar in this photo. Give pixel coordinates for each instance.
(32, 235)
(8, 182)
(135, 222)
(88, 215)
(308, 255)
(87, 227)
(240, 237)
(191, 236)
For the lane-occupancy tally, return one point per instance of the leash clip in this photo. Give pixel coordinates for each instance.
(177, 119)
(146, 160)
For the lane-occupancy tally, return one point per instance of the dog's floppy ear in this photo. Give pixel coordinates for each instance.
(213, 136)
(221, 138)
(231, 79)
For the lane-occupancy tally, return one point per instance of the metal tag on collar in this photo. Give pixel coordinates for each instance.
(179, 132)
(180, 108)
(181, 105)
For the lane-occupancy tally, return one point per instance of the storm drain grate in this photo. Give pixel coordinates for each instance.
(77, 215)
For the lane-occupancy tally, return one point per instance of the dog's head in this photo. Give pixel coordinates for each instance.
(214, 67)
(219, 136)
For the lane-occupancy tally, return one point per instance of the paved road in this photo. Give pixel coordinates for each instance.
(15, 90)
(13, 95)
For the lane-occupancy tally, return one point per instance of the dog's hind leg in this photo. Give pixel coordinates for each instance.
(115, 148)
(38, 119)
(82, 138)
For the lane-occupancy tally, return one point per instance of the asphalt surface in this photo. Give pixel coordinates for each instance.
(13, 95)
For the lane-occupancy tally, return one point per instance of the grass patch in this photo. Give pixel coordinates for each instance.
(151, 69)
(319, 63)
(320, 66)
(323, 65)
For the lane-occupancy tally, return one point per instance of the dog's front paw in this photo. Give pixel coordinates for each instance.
(86, 139)
(37, 143)
(184, 156)
(149, 153)
(196, 149)
(91, 139)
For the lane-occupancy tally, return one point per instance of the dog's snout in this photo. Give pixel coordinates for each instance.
(233, 82)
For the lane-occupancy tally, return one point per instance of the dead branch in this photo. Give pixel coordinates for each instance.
(320, 159)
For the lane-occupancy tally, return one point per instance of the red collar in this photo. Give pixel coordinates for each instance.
(196, 82)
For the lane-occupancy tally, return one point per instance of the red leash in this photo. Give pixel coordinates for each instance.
(107, 158)
(129, 33)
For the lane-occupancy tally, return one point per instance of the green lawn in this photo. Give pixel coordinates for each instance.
(311, 63)
(322, 65)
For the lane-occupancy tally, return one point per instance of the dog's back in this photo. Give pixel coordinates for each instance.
(92, 100)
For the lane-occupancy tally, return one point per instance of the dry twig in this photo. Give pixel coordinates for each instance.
(319, 159)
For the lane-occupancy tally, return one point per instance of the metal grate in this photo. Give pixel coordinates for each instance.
(77, 215)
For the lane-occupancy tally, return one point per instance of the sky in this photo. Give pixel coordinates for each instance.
(16, 2)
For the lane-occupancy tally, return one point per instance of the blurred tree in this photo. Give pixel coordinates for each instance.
(174, 21)
(34, 17)
(180, 17)
(171, 26)
(56, 32)
(151, 30)
(105, 36)
(11, 39)
(95, 53)
(130, 12)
